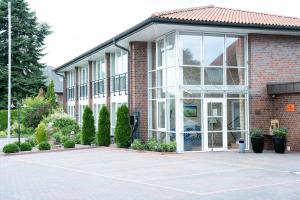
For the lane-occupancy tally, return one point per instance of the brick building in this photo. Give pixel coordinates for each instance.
(201, 76)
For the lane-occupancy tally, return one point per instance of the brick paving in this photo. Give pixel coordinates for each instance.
(106, 173)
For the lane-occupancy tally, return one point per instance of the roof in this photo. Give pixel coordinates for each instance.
(58, 80)
(206, 15)
(227, 15)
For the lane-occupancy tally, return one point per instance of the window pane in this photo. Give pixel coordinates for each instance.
(170, 50)
(235, 76)
(236, 114)
(153, 114)
(191, 49)
(235, 51)
(160, 53)
(193, 141)
(233, 139)
(161, 114)
(171, 92)
(171, 76)
(171, 115)
(191, 76)
(213, 76)
(213, 50)
(161, 78)
(161, 92)
(192, 114)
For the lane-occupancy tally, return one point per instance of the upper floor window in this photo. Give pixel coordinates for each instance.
(119, 69)
(71, 85)
(83, 88)
(98, 77)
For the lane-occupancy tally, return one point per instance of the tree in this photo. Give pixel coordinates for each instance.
(123, 130)
(50, 94)
(88, 126)
(28, 37)
(104, 127)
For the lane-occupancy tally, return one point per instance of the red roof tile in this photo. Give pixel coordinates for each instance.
(226, 15)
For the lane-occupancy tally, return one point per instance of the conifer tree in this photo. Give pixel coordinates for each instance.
(50, 94)
(104, 127)
(123, 130)
(88, 126)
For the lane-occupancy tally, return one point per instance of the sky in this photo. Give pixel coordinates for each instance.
(79, 25)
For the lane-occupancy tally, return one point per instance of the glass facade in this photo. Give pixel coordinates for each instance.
(198, 90)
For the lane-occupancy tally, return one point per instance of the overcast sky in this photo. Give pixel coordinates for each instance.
(79, 25)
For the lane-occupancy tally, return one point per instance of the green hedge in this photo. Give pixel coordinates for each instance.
(3, 118)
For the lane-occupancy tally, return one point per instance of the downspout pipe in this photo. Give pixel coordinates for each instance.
(129, 67)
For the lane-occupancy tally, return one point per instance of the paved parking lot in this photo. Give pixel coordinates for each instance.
(114, 174)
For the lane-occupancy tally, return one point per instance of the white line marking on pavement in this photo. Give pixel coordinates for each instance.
(155, 185)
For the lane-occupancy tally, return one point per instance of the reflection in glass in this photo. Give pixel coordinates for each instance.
(191, 76)
(171, 122)
(160, 53)
(233, 139)
(161, 78)
(191, 49)
(213, 76)
(235, 51)
(213, 50)
(170, 50)
(192, 141)
(161, 114)
(171, 76)
(236, 114)
(192, 115)
(214, 109)
(215, 123)
(215, 139)
(235, 76)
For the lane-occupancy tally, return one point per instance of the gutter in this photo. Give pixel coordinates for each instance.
(128, 68)
(157, 20)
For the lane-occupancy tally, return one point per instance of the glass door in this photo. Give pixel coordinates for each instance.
(215, 124)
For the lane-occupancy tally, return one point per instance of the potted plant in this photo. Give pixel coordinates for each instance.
(257, 140)
(279, 139)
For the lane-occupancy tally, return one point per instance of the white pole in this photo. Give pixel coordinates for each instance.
(9, 73)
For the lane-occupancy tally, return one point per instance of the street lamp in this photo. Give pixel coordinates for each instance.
(18, 107)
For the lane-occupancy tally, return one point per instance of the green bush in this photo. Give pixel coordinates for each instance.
(64, 138)
(35, 110)
(137, 145)
(3, 134)
(69, 144)
(104, 127)
(78, 138)
(151, 145)
(40, 133)
(88, 126)
(44, 146)
(25, 146)
(123, 130)
(31, 140)
(57, 137)
(256, 132)
(280, 132)
(11, 148)
(3, 118)
(168, 147)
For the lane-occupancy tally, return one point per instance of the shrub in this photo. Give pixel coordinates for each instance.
(137, 145)
(256, 132)
(44, 146)
(35, 110)
(3, 118)
(151, 145)
(69, 144)
(123, 130)
(88, 126)
(78, 138)
(168, 147)
(31, 141)
(280, 132)
(57, 137)
(25, 146)
(50, 94)
(104, 127)
(11, 148)
(40, 133)
(3, 134)
(64, 138)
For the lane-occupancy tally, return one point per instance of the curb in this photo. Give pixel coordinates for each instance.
(45, 151)
(141, 151)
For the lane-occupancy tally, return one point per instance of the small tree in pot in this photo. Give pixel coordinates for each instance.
(279, 139)
(257, 140)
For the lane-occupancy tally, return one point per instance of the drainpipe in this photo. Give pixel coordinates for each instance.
(128, 53)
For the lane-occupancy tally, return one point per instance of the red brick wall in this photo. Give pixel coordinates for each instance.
(77, 77)
(273, 58)
(138, 84)
(90, 84)
(107, 87)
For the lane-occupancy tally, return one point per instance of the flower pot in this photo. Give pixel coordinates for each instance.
(279, 144)
(257, 144)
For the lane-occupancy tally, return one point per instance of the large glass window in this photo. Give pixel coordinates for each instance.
(161, 112)
(191, 49)
(160, 53)
(213, 50)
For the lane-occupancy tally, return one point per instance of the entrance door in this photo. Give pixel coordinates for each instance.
(215, 125)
